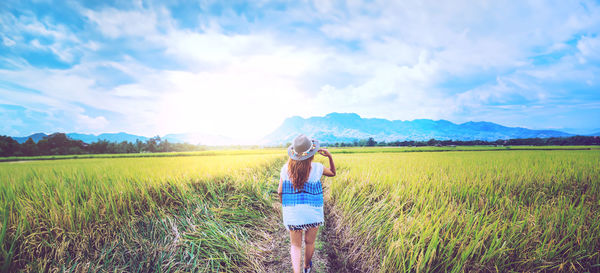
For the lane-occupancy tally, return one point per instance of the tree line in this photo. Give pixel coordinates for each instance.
(552, 141)
(61, 144)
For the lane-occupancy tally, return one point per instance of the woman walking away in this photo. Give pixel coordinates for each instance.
(301, 196)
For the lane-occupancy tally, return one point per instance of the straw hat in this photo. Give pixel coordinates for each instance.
(302, 147)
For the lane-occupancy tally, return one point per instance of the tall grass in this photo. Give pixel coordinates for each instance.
(468, 211)
(394, 212)
(135, 214)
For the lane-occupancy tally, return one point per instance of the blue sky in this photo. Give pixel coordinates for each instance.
(238, 68)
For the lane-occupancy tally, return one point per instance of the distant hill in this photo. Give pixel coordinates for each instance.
(346, 127)
(111, 137)
(580, 131)
(192, 138)
(35, 137)
(88, 138)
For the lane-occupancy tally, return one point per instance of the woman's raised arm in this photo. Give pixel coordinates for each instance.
(331, 170)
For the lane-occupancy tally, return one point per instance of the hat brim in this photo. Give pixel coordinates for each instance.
(310, 153)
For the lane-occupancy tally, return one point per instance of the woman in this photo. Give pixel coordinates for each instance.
(301, 196)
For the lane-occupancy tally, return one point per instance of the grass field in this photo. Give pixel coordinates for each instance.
(416, 209)
(135, 214)
(474, 211)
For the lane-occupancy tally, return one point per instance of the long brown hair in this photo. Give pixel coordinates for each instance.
(298, 171)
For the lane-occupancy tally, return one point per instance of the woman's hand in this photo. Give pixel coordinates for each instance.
(331, 170)
(324, 152)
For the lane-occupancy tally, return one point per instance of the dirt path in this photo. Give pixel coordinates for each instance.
(335, 250)
(278, 258)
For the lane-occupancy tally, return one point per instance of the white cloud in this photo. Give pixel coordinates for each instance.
(380, 59)
(226, 103)
(589, 48)
(8, 42)
(47, 29)
(87, 123)
(118, 23)
(463, 36)
(60, 41)
(460, 39)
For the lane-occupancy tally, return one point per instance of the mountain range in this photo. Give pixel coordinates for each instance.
(345, 127)
(194, 138)
(88, 138)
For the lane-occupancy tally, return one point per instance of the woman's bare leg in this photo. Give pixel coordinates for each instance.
(309, 244)
(296, 249)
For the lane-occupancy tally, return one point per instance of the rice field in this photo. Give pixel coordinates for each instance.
(493, 211)
(135, 214)
(405, 209)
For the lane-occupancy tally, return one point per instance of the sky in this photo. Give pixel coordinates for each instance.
(238, 69)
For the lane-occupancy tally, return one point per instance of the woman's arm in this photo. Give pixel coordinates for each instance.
(280, 189)
(331, 170)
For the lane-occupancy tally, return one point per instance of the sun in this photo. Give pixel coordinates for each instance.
(243, 107)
